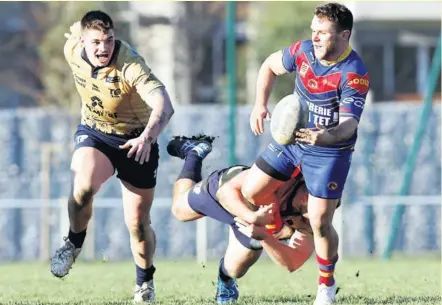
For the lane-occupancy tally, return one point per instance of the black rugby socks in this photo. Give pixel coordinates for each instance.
(77, 239)
(192, 167)
(144, 275)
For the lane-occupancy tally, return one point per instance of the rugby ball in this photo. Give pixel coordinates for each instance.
(288, 116)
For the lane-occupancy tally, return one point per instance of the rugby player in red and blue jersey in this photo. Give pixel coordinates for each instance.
(332, 83)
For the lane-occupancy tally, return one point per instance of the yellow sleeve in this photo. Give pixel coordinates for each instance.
(138, 73)
(73, 39)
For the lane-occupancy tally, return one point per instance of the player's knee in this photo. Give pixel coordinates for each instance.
(177, 211)
(81, 196)
(176, 207)
(138, 229)
(84, 189)
(321, 225)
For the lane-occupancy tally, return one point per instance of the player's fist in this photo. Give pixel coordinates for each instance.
(75, 31)
(259, 113)
(250, 230)
(264, 215)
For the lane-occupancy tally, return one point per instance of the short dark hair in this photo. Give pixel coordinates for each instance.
(97, 20)
(337, 13)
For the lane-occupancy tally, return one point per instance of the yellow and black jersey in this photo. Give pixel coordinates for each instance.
(110, 102)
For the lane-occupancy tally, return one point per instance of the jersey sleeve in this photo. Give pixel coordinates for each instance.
(289, 55)
(73, 40)
(138, 73)
(354, 92)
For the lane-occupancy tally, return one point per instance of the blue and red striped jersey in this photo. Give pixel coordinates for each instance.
(329, 91)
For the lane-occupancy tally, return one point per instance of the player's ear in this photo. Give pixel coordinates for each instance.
(346, 35)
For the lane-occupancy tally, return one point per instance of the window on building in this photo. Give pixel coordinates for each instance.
(373, 57)
(405, 71)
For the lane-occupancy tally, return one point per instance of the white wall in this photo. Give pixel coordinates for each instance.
(370, 10)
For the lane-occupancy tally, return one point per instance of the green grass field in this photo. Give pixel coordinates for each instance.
(400, 281)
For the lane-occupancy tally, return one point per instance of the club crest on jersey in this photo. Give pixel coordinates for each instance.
(332, 186)
(303, 70)
(312, 84)
(359, 83)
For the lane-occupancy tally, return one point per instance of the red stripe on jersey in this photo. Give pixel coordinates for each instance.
(316, 84)
(294, 48)
(295, 173)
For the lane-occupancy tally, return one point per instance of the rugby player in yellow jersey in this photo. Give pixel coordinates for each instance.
(124, 109)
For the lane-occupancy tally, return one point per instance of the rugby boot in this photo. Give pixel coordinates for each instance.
(145, 293)
(227, 292)
(180, 146)
(326, 295)
(64, 258)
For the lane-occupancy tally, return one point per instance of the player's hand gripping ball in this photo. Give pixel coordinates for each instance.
(289, 115)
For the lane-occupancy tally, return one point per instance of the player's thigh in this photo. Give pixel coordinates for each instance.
(91, 168)
(239, 257)
(181, 208)
(276, 165)
(325, 175)
(138, 183)
(259, 186)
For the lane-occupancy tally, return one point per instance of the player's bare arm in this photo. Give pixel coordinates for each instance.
(230, 197)
(324, 137)
(270, 69)
(162, 110)
(291, 256)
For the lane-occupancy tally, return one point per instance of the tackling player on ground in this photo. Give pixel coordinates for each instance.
(219, 197)
(124, 109)
(332, 83)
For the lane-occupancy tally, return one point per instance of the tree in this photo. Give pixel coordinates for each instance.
(34, 70)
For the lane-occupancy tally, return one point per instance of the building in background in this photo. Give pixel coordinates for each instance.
(183, 42)
(397, 42)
